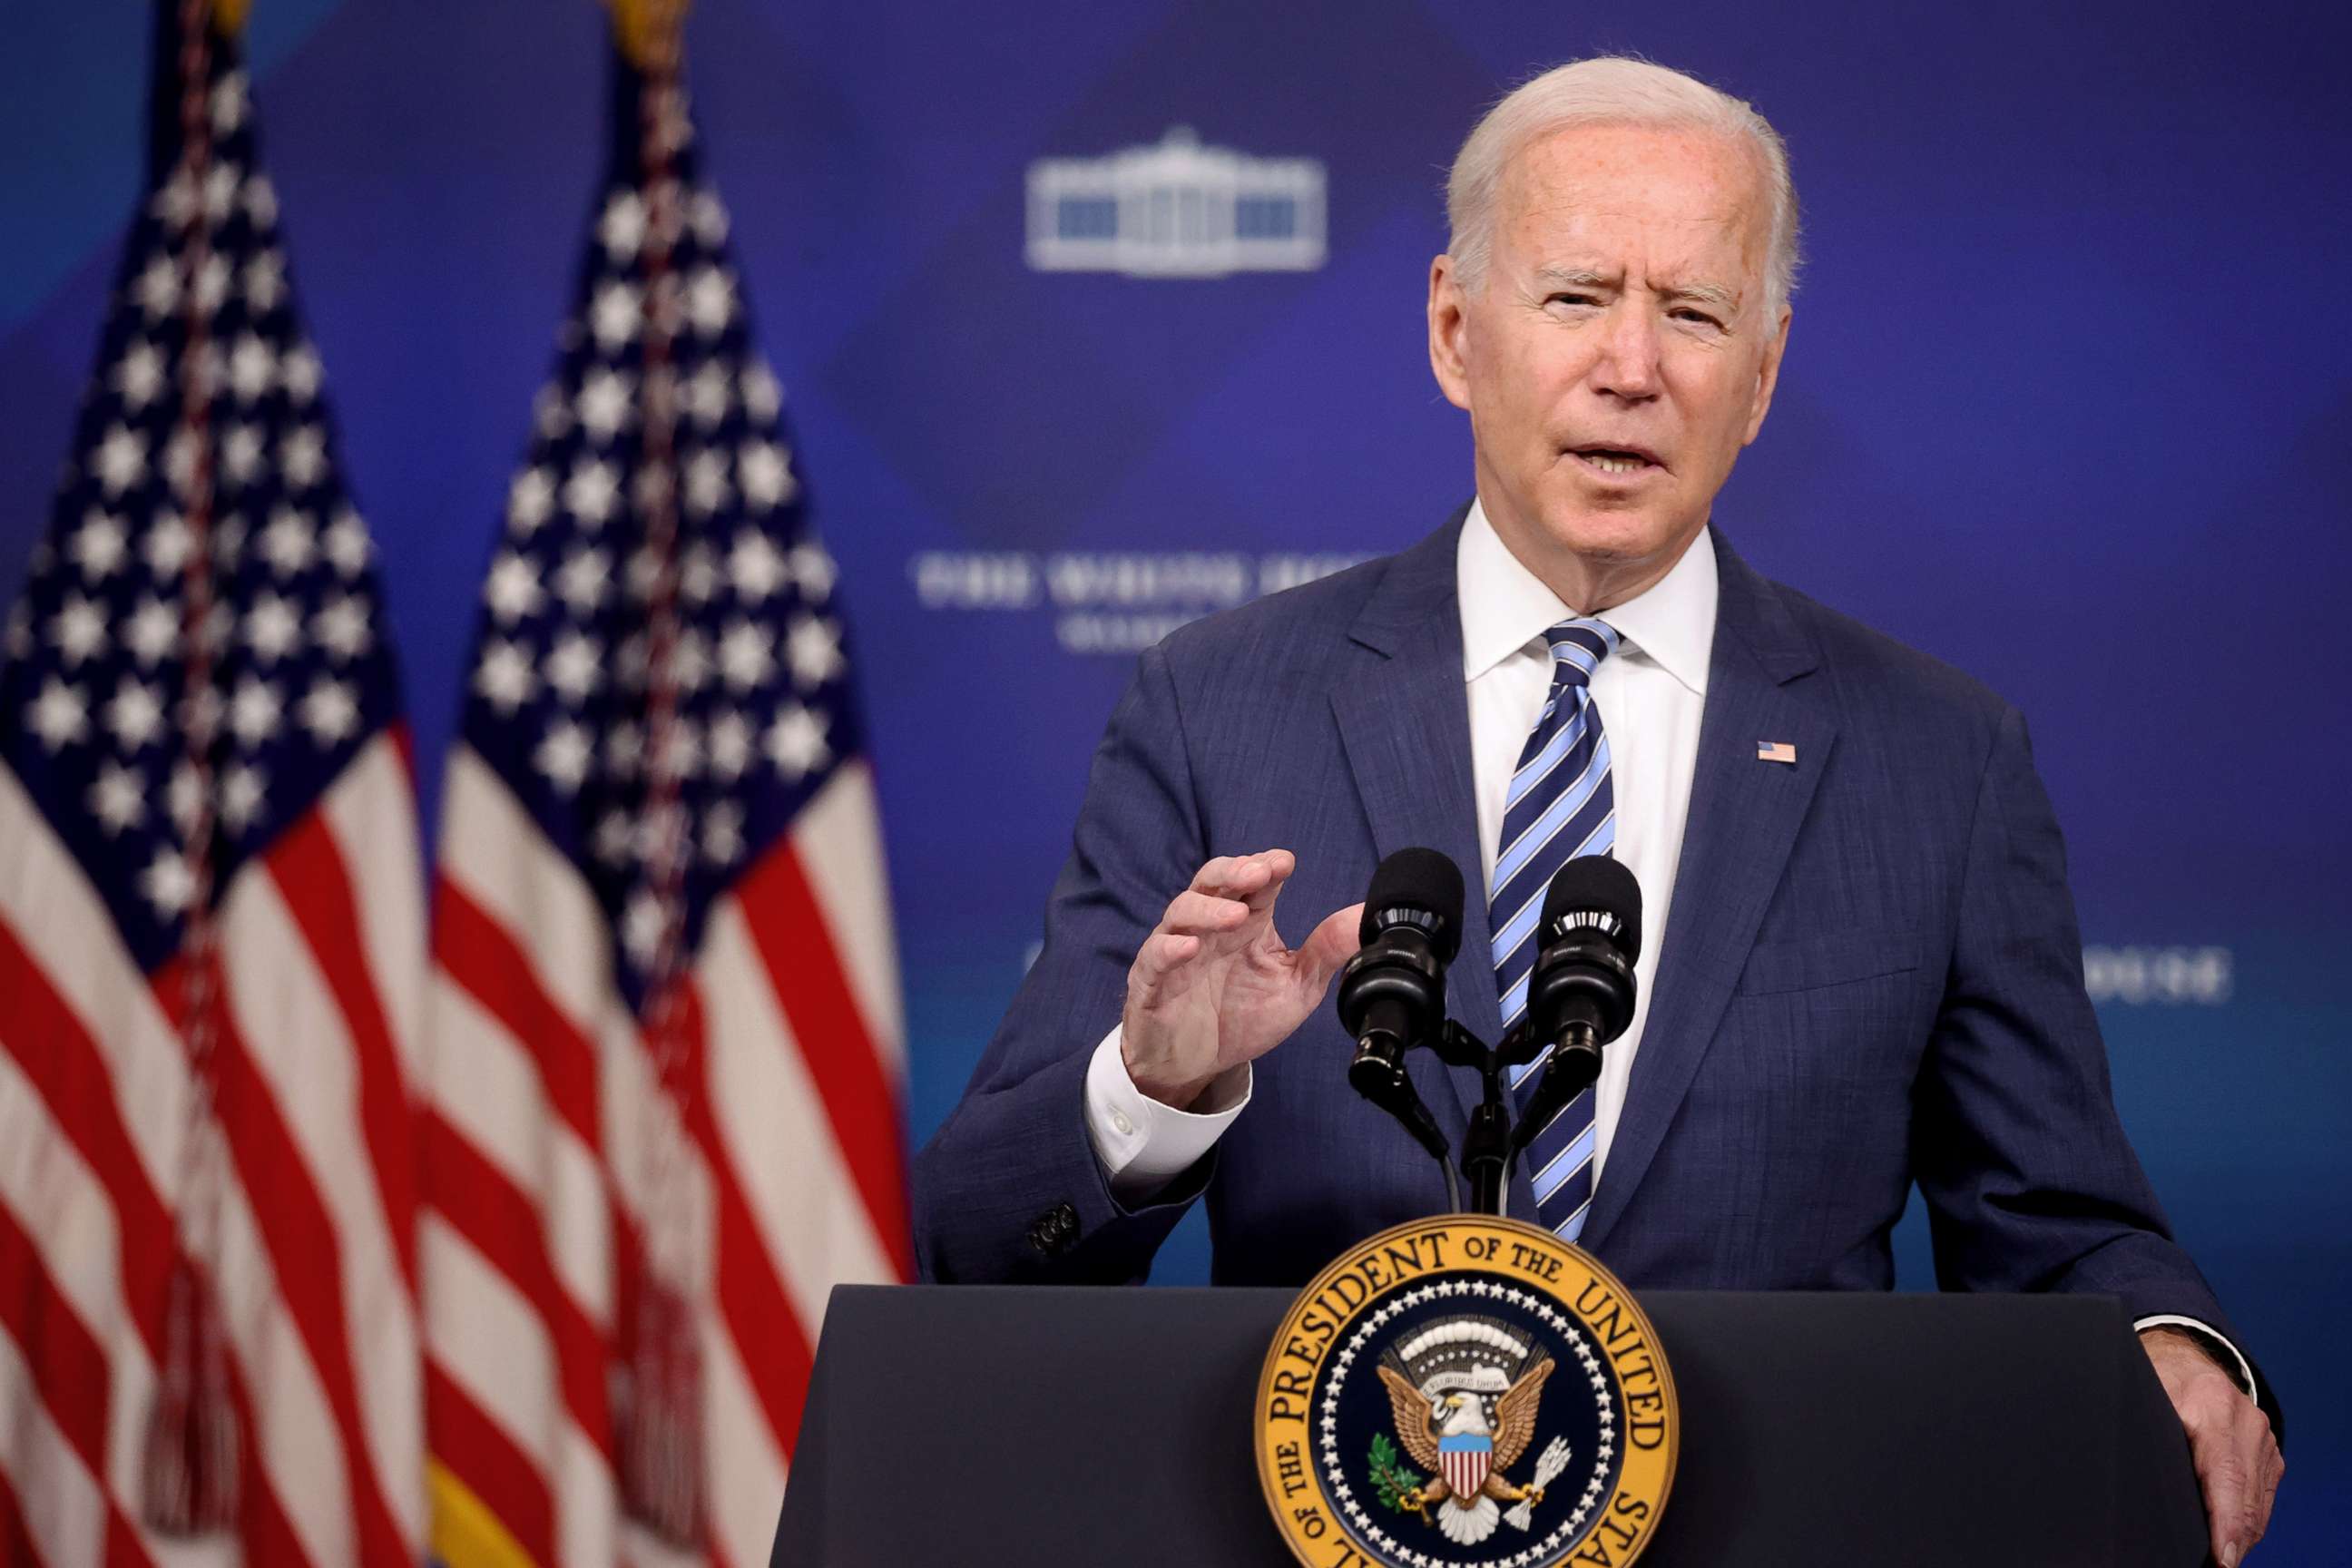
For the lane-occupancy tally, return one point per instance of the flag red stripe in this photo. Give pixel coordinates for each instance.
(480, 955)
(310, 870)
(69, 1368)
(16, 1537)
(768, 1335)
(91, 1121)
(49, 1044)
(263, 1523)
(123, 1547)
(796, 946)
(72, 1376)
(268, 1534)
(305, 1255)
(470, 1443)
(474, 1198)
(403, 746)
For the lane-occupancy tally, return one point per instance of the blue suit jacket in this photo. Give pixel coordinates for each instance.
(1872, 974)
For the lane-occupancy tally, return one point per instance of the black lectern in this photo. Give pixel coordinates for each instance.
(982, 1426)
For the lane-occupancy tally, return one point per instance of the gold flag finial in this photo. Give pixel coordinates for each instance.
(649, 31)
(228, 16)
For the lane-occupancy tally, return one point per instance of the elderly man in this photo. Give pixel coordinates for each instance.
(1869, 972)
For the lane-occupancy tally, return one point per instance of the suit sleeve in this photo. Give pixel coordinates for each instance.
(2030, 1182)
(1009, 1188)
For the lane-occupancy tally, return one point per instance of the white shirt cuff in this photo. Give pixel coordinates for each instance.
(2173, 1321)
(1142, 1145)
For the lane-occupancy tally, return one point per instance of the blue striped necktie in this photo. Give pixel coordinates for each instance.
(1560, 805)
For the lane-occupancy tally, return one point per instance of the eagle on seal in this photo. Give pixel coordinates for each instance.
(1446, 1427)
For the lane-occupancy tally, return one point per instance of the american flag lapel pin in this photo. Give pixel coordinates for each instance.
(1776, 751)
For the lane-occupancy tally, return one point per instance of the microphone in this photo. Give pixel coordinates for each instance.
(1393, 992)
(1580, 991)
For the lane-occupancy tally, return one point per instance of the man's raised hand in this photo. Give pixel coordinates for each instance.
(1213, 987)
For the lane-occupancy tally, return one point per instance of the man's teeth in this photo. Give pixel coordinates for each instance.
(1610, 463)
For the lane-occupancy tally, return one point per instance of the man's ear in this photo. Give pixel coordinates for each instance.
(1448, 332)
(1768, 377)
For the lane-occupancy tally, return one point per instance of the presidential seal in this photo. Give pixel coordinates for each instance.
(1465, 1393)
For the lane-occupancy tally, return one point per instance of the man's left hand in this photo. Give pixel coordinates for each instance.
(2238, 1461)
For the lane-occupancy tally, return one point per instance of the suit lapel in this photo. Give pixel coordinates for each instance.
(1743, 822)
(1404, 721)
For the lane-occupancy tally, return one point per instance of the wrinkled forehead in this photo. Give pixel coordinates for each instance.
(1686, 197)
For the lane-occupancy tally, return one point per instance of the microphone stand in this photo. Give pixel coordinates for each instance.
(1492, 1142)
(1486, 1147)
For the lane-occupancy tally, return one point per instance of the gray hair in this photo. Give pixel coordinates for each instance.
(1611, 90)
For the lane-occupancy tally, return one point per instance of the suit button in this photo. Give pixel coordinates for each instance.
(1054, 1230)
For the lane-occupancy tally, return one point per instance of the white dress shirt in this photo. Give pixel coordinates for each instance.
(1650, 695)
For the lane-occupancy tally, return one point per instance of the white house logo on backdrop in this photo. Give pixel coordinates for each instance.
(1176, 210)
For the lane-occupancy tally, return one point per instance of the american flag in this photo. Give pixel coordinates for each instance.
(212, 950)
(665, 1043)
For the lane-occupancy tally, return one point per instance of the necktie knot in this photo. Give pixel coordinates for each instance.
(1578, 647)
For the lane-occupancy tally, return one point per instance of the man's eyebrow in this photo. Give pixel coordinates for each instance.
(1714, 294)
(1574, 277)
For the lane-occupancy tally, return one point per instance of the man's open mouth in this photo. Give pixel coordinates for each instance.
(1615, 459)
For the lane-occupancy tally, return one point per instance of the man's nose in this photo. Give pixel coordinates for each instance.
(1627, 365)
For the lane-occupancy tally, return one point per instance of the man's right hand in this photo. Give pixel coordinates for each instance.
(1213, 987)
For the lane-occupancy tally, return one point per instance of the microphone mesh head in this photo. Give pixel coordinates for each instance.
(1422, 880)
(1595, 890)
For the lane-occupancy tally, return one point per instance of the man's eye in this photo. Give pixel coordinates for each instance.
(1570, 299)
(1701, 317)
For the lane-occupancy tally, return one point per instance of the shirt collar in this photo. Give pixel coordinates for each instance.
(1505, 607)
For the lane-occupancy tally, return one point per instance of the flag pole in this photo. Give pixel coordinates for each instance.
(189, 1479)
(662, 1459)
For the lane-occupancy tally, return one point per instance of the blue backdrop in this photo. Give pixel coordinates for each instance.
(2066, 403)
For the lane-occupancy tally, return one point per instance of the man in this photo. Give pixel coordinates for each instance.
(1867, 970)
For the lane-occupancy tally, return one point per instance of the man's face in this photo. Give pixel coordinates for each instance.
(1618, 353)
